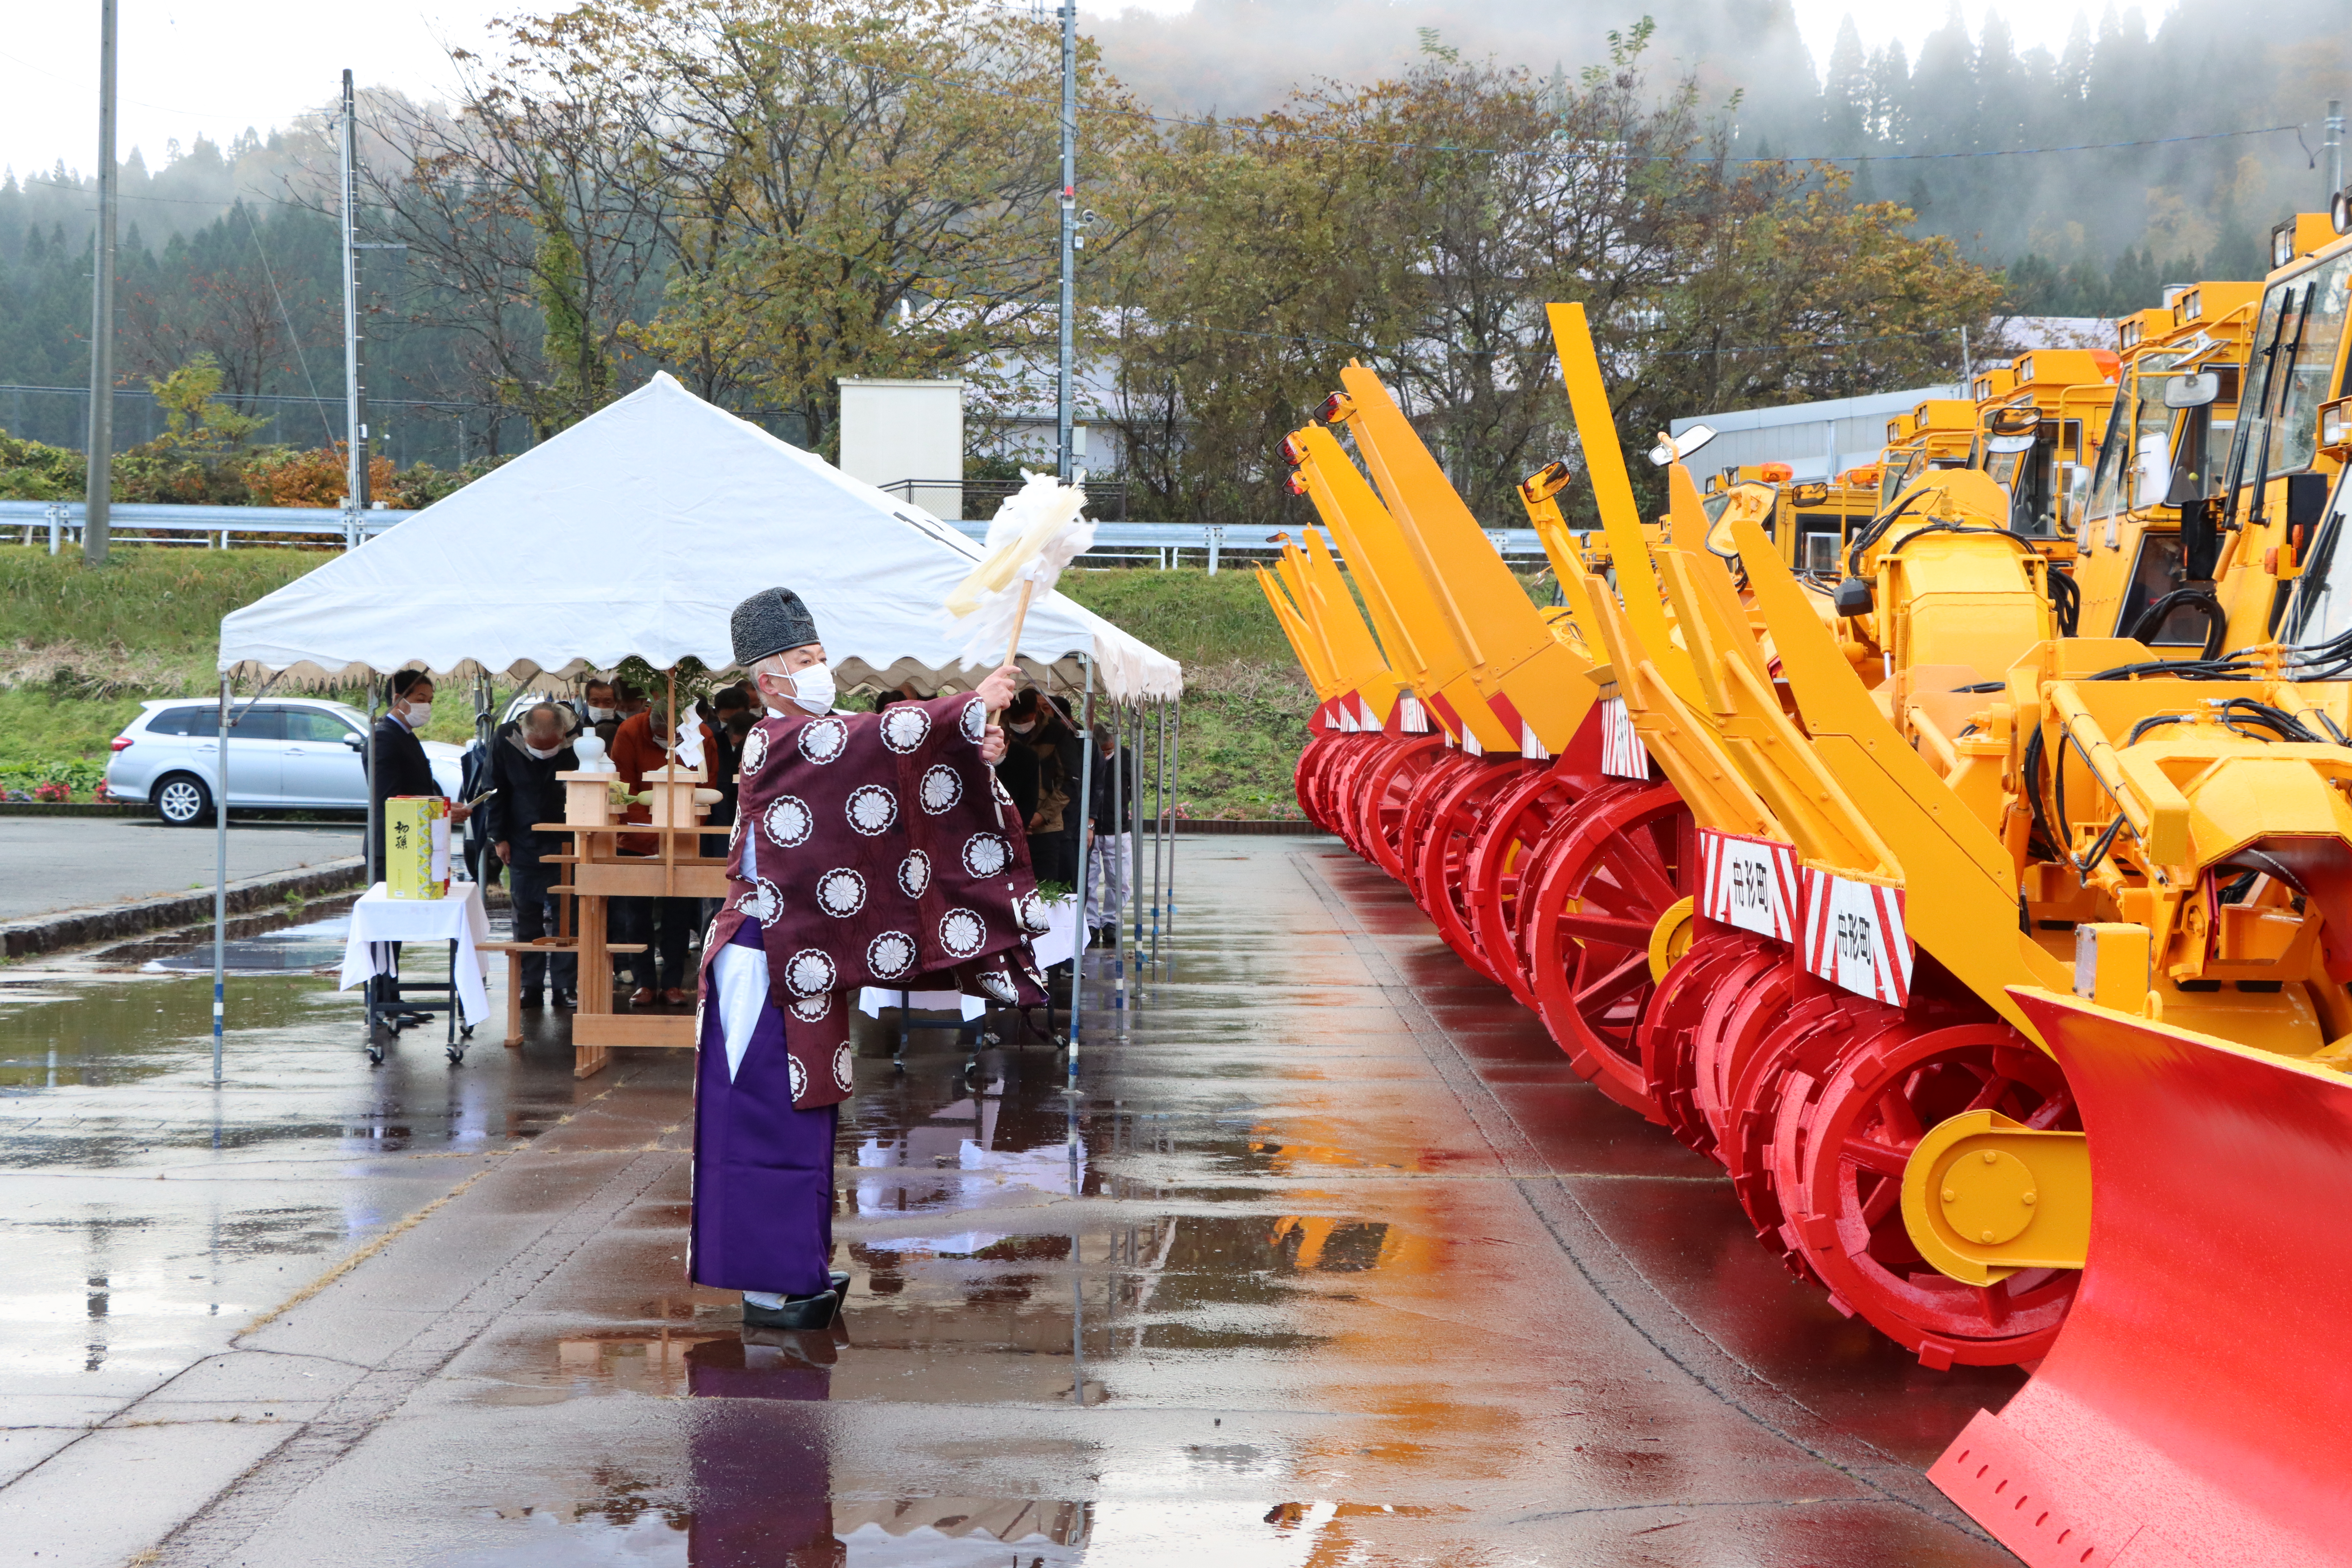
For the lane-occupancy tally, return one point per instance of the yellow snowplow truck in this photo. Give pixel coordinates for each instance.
(2174, 839)
(1931, 923)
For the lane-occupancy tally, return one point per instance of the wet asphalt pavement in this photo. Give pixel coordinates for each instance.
(1329, 1260)
(77, 862)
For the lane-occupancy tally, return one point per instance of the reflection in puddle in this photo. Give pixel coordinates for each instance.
(951, 1161)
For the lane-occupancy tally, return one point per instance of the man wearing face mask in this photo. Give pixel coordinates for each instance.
(523, 765)
(601, 709)
(401, 765)
(401, 768)
(664, 925)
(869, 850)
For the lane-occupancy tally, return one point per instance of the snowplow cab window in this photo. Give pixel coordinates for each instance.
(2323, 599)
(2156, 572)
(2136, 460)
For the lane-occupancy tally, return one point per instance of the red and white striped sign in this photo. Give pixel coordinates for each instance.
(1855, 937)
(1410, 718)
(1622, 757)
(1750, 883)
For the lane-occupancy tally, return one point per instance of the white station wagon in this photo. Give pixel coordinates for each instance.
(285, 752)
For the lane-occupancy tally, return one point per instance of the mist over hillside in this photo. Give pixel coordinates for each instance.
(2198, 205)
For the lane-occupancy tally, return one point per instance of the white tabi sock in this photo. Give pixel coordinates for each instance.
(767, 1300)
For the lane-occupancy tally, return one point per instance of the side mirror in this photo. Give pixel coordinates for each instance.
(1749, 501)
(2009, 444)
(1675, 448)
(356, 743)
(2192, 391)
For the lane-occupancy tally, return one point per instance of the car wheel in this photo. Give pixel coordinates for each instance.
(182, 800)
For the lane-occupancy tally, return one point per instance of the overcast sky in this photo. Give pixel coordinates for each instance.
(216, 67)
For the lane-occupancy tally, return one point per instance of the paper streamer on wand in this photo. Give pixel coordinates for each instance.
(1037, 532)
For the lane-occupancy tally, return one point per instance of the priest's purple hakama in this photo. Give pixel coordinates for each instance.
(869, 849)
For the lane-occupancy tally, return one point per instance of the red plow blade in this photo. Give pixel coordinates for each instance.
(2196, 1408)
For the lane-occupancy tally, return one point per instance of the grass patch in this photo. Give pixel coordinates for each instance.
(79, 650)
(156, 599)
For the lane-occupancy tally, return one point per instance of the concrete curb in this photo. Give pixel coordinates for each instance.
(77, 928)
(1190, 825)
(72, 808)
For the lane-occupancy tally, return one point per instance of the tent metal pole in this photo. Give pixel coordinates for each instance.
(374, 828)
(220, 882)
(1176, 792)
(1118, 911)
(1085, 853)
(1159, 814)
(1135, 827)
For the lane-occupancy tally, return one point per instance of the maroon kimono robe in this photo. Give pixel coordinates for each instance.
(869, 849)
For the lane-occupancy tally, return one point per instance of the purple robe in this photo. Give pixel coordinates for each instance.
(869, 849)
(762, 1169)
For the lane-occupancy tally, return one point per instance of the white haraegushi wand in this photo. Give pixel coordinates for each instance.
(1037, 532)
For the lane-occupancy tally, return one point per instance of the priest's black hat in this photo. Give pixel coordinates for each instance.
(771, 621)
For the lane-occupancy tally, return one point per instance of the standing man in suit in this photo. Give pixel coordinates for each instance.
(522, 770)
(401, 768)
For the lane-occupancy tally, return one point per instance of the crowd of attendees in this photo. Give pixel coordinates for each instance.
(519, 764)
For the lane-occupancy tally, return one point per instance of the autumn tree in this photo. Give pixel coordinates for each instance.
(1420, 226)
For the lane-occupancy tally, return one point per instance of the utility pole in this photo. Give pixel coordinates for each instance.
(355, 447)
(102, 309)
(1064, 409)
(2334, 148)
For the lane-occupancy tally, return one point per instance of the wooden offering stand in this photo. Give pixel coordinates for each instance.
(600, 872)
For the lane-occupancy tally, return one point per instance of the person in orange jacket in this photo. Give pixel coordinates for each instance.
(664, 925)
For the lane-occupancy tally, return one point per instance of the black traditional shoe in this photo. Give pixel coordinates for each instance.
(840, 1286)
(797, 1312)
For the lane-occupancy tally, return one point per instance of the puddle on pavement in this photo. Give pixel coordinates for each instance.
(759, 1479)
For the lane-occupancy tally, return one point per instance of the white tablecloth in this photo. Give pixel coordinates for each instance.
(1055, 947)
(379, 920)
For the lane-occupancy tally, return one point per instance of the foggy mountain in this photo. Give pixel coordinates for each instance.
(2083, 226)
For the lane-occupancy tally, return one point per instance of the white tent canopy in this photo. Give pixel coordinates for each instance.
(638, 531)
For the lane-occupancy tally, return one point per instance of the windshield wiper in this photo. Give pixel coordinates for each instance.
(2247, 420)
(2284, 375)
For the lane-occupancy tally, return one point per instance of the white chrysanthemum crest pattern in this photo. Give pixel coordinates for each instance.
(871, 809)
(915, 873)
(904, 727)
(941, 788)
(890, 955)
(961, 932)
(809, 972)
(986, 854)
(841, 892)
(788, 821)
(822, 739)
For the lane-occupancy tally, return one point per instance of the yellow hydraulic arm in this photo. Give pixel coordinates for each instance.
(1421, 648)
(1970, 918)
(1612, 493)
(1305, 640)
(1360, 675)
(1530, 677)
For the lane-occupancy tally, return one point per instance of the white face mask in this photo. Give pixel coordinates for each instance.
(598, 715)
(542, 755)
(813, 689)
(417, 714)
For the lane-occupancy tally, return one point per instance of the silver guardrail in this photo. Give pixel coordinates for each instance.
(59, 523)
